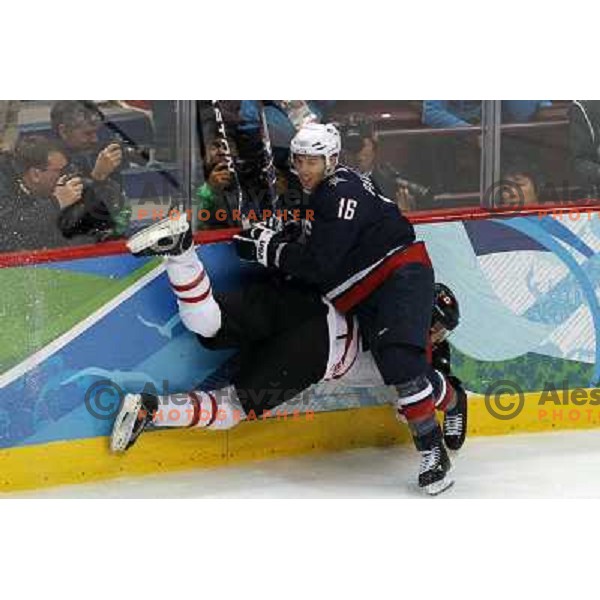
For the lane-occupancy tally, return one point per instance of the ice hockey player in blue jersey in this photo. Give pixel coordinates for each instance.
(362, 255)
(318, 344)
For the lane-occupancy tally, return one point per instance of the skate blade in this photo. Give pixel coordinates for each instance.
(151, 235)
(433, 489)
(125, 422)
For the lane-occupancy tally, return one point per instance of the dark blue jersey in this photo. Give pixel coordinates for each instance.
(355, 235)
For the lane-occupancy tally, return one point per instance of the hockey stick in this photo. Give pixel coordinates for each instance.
(268, 168)
(230, 162)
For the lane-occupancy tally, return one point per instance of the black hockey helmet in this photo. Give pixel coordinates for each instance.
(445, 308)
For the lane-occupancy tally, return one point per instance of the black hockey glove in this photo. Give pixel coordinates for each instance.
(289, 229)
(259, 244)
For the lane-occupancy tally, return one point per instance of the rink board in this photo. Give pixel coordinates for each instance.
(530, 315)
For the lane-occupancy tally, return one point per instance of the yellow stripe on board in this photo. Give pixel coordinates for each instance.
(540, 411)
(81, 461)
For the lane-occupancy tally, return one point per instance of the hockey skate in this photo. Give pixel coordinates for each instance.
(135, 414)
(435, 468)
(455, 419)
(169, 237)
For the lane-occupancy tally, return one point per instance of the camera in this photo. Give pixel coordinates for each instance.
(71, 171)
(353, 135)
(132, 152)
(93, 213)
(416, 190)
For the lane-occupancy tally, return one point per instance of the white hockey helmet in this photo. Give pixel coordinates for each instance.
(316, 139)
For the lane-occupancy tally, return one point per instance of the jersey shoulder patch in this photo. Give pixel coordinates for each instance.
(345, 180)
(335, 180)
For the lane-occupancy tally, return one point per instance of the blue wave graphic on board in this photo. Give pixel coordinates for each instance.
(165, 330)
(542, 234)
(489, 330)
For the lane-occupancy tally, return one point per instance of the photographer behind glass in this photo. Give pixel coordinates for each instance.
(361, 152)
(33, 194)
(76, 123)
(46, 203)
(216, 193)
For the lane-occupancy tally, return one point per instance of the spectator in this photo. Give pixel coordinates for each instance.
(466, 113)
(45, 205)
(454, 160)
(584, 144)
(450, 163)
(216, 193)
(255, 172)
(252, 160)
(521, 187)
(363, 154)
(283, 118)
(522, 111)
(451, 113)
(76, 123)
(31, 199)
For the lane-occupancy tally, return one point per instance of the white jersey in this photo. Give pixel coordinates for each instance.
(348, 362)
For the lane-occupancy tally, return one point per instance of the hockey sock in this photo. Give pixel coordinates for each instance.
(421, 429)
(426, 440)
(416, 404)
(198, 309)
(210, 410)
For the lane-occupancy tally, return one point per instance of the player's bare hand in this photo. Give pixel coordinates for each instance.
(220, 177)
(404, 199)
(107, 162)
(68, 191)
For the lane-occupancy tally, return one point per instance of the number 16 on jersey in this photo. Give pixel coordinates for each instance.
(347, 208)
